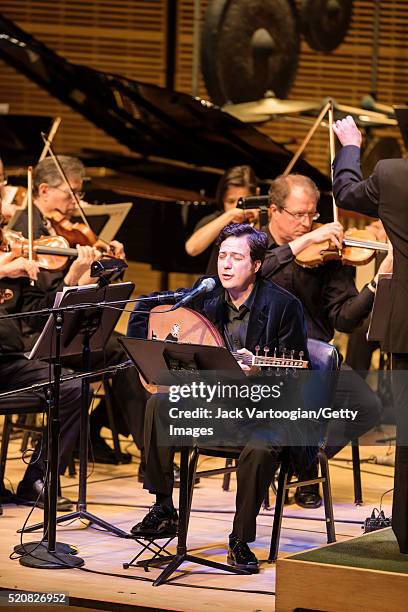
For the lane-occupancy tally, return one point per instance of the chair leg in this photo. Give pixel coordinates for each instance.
(192, 468)
(5, 439)
(358, 493)
(279, 504)
(227, 477)
(327, 497)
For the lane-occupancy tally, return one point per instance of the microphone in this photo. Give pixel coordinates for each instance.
(206, 285)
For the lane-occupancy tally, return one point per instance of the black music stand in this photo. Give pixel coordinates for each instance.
(155, 360)
(380, 314)
(85, 330)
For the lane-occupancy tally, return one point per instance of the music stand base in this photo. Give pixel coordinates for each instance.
(85, 515)
(176, 560)
(51, 560)
(60, 547)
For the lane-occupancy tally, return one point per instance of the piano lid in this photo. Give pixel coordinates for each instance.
(148, 119)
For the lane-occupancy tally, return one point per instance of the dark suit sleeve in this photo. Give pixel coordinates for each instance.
(350, 190)
(346, 308)
(292, 328)
(275, 259)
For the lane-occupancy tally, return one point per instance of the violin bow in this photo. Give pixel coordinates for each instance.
(44, 152)
(30, 215)
(65, 179)
(50, 138)
(332, 156)
(307, 138)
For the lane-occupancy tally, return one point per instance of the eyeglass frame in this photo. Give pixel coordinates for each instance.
(299, 215)
(78, 194)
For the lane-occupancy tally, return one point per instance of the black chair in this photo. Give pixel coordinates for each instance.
(323, 357)
(18, 404)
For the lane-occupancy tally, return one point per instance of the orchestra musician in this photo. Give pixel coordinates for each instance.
(237, 182)
(16, 371)
(384, 194)
(50, 193)
(248, 311)
(330, 300)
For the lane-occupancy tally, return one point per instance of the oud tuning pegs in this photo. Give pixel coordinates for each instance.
(274, 352)
(257, 349)
(284, 353)
(301, 354)
(266, 351)
(292, 354)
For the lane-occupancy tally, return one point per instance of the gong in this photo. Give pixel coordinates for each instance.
(248, 48)
(325, 22)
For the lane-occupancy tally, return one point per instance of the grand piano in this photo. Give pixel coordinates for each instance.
(178, 147)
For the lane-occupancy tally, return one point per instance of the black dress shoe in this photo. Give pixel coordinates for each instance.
(160, 521)
(308, 497)
(241, 556)
(33, 493)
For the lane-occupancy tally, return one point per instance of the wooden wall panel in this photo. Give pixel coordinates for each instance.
(344, 74)
(129, 37)
(121, 36)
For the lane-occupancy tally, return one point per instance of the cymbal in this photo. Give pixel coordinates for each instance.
(270, 106)
(365, 116)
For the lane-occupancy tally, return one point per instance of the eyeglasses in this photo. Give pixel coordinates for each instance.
(301, 215)
(79, 194)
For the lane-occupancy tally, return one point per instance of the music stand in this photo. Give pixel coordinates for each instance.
(155, 360)
(84, 331)
(380, 314)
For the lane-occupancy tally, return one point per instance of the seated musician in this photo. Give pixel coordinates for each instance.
(16, 371)
(329, 297)
(237, 182)
(248, 311)
(50, 193)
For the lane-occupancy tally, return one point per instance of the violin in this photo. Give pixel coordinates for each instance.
(74, 233)
(50, 252)
(359, 247)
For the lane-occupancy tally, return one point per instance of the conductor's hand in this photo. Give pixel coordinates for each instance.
(347, 132)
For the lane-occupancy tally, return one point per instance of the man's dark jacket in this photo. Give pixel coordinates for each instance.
(385, 195)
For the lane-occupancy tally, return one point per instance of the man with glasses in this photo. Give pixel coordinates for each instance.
(329, 297)
(50, 193)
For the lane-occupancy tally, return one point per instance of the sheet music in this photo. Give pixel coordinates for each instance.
(57, 301)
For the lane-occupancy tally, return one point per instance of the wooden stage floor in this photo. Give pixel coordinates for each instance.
(115, 495)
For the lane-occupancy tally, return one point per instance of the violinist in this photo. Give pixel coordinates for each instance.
(50, 193)
(11, 196)
(329, 297)
(16, 371)
(384, 194)
(237, 182)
